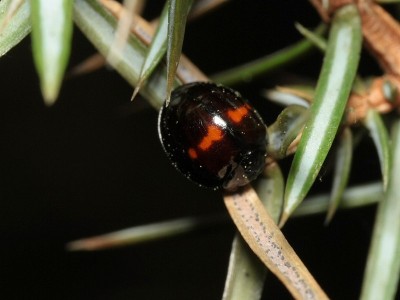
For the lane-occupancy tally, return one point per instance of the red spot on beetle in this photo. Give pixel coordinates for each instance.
(213, 134)
(192, 153)
(236, 115)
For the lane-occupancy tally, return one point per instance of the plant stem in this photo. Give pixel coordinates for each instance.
(266, 64)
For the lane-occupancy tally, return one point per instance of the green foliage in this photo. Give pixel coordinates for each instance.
(141, 63)
(326, 112)
(383, 267)
(177, 15)
(14, 25)
(156, 50)
(51, 43)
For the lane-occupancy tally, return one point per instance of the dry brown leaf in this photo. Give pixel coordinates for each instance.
(267, 241)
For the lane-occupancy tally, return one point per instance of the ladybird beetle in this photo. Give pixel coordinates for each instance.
(213, 136)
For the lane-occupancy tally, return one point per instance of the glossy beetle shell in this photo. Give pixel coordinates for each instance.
(213, 136)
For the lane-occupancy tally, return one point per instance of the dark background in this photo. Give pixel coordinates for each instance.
(92, 163)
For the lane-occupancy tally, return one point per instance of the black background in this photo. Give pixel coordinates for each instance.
(92, 163)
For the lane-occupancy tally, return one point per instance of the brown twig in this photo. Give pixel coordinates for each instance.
(381, 33)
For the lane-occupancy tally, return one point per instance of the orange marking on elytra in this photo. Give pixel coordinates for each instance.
(192, 153)
(236, 115)
(213, 134)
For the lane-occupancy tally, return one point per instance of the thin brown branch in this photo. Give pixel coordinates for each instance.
(381, 35)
